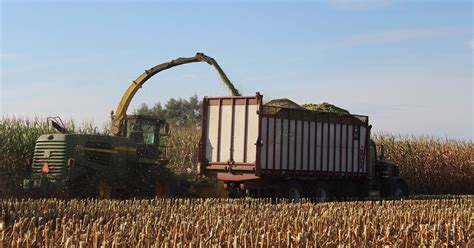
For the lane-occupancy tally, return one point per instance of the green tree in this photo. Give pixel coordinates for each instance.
(179, 112)
(156, 111)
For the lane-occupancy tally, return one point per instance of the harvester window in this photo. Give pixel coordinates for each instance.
(148, 134)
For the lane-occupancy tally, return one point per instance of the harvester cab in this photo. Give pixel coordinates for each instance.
(148, 133)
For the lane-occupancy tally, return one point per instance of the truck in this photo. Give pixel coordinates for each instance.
(278, 152)
(129, 162)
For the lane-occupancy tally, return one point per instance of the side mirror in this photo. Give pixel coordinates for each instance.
(58, 127)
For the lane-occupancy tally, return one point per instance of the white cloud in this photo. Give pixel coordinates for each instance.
(401, 35)
(9, 55)
(471, 44)
(359, 4)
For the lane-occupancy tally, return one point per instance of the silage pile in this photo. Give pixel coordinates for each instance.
(325, 107)
(275, 105)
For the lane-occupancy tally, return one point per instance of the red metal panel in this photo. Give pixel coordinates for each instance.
(258, 168)
(281, 143)
(334, 137)
(288, 136)
(309, 147)
(346, 166)
(298, 135)
(246, 118)
(219, 166)
(232, 130)
(274, 144)
(219, 131)
(267, 123)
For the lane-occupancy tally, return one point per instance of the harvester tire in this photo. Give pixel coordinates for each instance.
(103, 190)
(82, 188)
(162, 181)
(161, 188)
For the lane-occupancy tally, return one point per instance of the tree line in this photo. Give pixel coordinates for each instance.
(179, 112)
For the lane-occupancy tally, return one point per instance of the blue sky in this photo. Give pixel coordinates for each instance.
(406, 64)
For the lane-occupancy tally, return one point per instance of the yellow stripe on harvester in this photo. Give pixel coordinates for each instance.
(114, 150)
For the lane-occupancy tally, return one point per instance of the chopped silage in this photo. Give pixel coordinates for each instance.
(325, 107)
(275, 105)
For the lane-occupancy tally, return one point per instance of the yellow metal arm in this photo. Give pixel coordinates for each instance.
(120, 113)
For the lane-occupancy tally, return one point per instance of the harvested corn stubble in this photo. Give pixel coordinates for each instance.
(236, 223)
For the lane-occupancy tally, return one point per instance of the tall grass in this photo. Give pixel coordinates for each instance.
(429, 165)
(432, 165)
(17, 143)
(182, 149)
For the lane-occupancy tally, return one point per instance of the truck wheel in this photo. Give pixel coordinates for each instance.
(292, 191)
(104, 191)
(161, 188)
(399, 191)
(319, 191)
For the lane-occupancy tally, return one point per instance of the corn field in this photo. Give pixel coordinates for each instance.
(236, 223)
(18, 137)
(429, 165)
(182, 148)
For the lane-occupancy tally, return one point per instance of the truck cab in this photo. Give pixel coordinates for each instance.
(385, 175)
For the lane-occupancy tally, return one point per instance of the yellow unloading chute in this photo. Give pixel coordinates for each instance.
(120, 113)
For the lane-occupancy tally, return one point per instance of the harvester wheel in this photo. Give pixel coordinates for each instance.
(104, 191)
(82, 189)
(210, 190)
(160, 182)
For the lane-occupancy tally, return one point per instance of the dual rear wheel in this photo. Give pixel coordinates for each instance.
(293, 191)
(399, 191)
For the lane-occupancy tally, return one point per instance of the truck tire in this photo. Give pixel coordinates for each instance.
(399, 191)
(321, 193)
(318, 191)
(292, 191)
